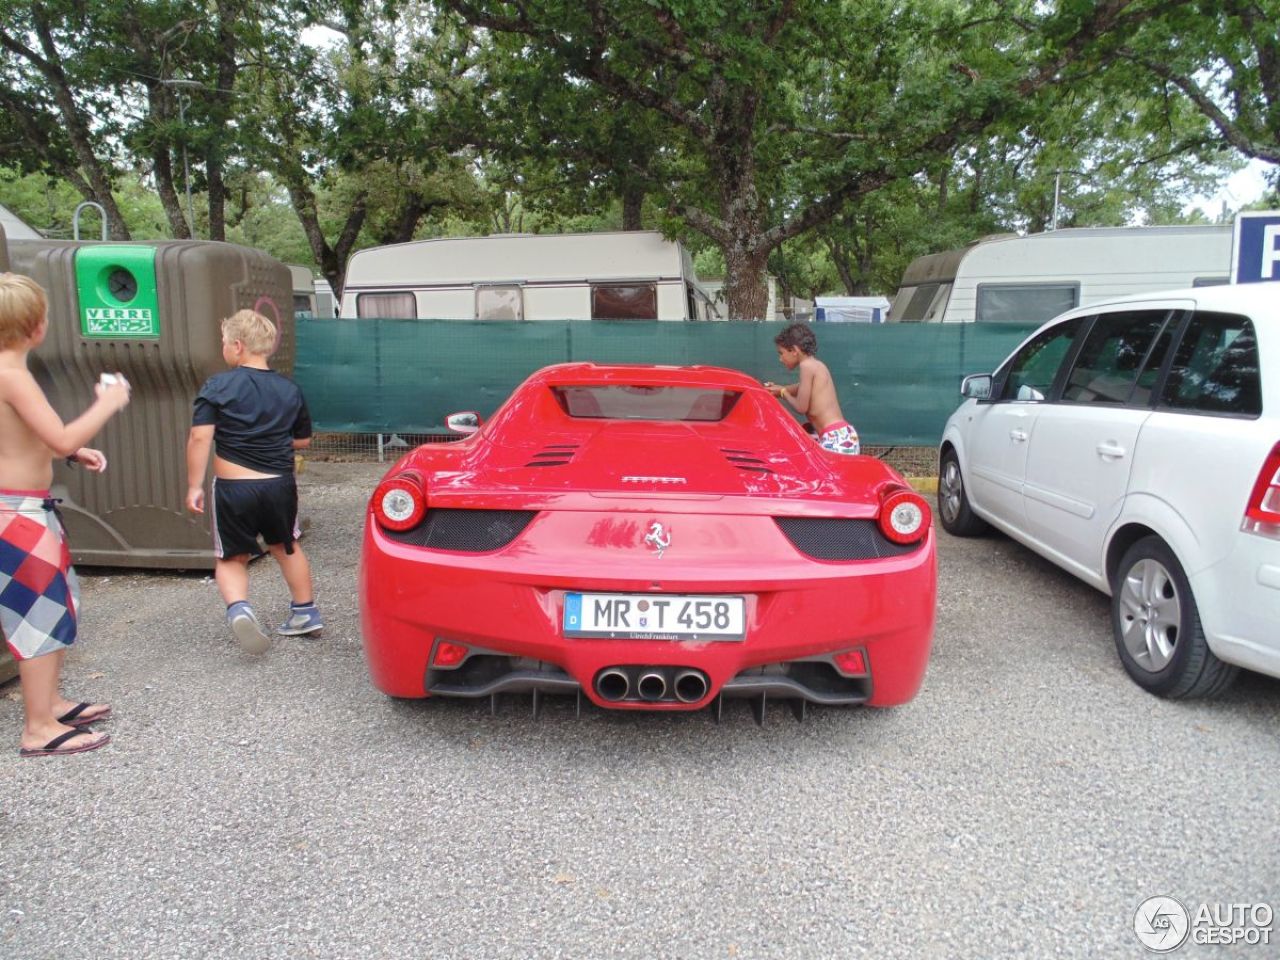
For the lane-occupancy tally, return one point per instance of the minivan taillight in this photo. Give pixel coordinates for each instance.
(400, 502)
(1262, 515)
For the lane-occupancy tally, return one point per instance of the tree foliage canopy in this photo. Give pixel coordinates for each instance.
(827, 143)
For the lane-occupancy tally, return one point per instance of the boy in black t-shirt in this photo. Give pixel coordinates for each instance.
(254, 418)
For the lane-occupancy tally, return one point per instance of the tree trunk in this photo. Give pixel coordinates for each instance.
(746, 284)
(632, 207)
(169, 199)
(227, 68)
(96, 174)
(332, 260)
(217, 196)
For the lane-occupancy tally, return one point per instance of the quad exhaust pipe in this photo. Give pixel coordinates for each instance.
(613, 685)
(652, 684)
(690, 686)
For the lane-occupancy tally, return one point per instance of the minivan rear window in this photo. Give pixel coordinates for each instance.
(1215, 368)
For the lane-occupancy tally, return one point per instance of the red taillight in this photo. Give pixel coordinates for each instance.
(1262, 515)
(852, 663)
(904, 516)
(448, 654)
(400, 502)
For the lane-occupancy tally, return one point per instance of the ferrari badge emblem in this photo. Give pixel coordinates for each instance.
(658, 538)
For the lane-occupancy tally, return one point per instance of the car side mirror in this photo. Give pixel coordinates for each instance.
(467, 421)
(976, 386)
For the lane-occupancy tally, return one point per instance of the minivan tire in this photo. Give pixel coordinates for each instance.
(954, 511)
(1157, 626)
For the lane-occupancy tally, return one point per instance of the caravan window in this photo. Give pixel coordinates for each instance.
(1024, 302)
(921, 306)
(386, 306)
(500, 303)
(624, 301)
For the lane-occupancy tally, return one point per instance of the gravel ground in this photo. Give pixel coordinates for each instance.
(1023, 805)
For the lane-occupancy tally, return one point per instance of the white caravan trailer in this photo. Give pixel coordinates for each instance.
(304, 290)
(326, 303)
(1013, 279)
(628, 275)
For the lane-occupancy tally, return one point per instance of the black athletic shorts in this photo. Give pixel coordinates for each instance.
(245, 509)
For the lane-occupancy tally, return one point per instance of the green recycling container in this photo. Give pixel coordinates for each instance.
(152, 311)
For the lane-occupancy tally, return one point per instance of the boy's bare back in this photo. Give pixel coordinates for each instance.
(823, 408)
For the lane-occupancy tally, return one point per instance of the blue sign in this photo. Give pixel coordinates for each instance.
(1255, 247)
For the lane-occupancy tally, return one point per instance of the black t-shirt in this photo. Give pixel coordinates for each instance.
(257, 414)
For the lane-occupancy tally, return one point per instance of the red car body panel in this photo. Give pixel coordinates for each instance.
(595, 488)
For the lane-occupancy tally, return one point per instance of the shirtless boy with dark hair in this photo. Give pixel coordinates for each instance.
(814, 394)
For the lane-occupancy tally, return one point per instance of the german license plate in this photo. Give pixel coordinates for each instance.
(654, 617)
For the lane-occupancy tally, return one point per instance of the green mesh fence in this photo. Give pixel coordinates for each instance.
(897, 383)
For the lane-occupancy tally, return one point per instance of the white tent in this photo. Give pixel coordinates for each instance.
(851, 309)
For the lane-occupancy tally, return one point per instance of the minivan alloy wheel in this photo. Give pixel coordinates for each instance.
(950, 489)
(1151, 613)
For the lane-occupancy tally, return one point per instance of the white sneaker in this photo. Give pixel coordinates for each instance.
(245, 627)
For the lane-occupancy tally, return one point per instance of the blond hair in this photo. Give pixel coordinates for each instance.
(256, 332)
(23, 305)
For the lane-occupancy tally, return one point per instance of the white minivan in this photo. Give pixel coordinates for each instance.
(1136, 444)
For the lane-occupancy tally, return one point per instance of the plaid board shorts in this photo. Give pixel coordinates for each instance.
(840, 437)
(39, 592)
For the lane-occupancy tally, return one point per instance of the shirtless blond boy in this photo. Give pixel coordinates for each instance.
(815, 393)
(40, 600)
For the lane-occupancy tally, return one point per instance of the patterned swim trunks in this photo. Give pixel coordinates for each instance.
(839, 437)
(39, 592)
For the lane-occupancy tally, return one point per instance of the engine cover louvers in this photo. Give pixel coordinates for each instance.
(745, 460)
(553, 455)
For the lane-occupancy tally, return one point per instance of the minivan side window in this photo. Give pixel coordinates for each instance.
(1029, 374)
(1215, 368)
(1117, 347)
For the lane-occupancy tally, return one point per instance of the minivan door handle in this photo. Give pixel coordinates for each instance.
(1111, 449)
(1018, 436)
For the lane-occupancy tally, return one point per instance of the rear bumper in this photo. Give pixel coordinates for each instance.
(1239, 604)
(510, 605)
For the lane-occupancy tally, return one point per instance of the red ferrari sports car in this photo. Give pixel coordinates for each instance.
(654, 538)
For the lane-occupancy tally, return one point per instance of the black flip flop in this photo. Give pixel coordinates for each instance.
(55, 748)
(72, 717)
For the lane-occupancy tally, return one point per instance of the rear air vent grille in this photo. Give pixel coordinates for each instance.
(745, 460)
(553, 455)
(828, 538)
(469, 531)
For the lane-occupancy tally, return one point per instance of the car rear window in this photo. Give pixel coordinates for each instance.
(1215, 368)
(645, 402)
